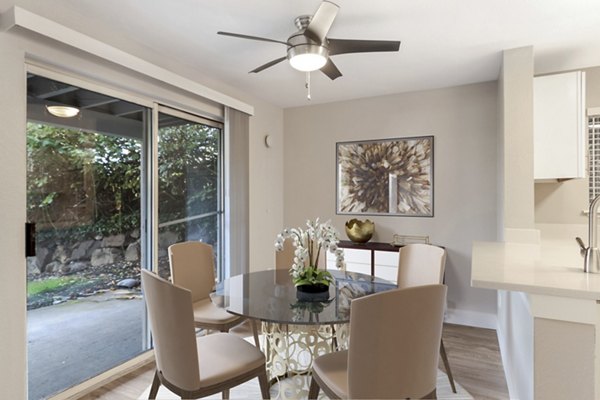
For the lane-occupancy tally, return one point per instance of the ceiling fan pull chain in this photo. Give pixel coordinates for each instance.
(307, 85)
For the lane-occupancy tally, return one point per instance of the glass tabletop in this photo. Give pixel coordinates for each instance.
(270, 296)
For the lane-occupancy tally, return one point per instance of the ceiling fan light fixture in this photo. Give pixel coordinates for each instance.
(307, 57)
(63, 111)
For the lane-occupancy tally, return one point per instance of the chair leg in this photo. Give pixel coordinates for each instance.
(225, 394)
(313, 391)
(154, 387)
(255, 333)
(447, 365)
(264, 385)
(334, 343)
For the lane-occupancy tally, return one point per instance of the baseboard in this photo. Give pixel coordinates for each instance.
(471, 318)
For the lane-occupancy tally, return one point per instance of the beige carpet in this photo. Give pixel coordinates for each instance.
(287, 390)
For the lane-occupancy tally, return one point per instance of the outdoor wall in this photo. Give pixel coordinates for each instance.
(462, 120)
(265, 169)
(563, 202)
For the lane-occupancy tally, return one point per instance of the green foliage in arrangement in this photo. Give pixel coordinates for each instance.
(312, 276)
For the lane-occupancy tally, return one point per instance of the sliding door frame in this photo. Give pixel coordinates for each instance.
(220, 213)
(148, 192)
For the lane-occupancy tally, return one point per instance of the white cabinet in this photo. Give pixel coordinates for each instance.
(386, 263)
(559, 126)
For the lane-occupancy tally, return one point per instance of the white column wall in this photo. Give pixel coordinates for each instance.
(13, 306)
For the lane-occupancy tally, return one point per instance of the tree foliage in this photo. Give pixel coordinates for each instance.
(82, 184)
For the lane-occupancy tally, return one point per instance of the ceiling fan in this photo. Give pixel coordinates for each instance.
(309, 49)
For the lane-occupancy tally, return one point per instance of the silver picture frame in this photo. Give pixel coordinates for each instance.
(385, 177)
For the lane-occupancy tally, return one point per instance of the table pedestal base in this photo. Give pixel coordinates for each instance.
(291, 349)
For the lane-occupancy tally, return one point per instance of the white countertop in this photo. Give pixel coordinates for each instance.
(553, 267)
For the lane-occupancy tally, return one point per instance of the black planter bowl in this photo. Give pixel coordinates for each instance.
(318, 292)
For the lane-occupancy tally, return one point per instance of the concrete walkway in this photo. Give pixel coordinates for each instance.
(71, 342)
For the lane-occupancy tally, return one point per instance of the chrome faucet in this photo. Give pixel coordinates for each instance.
(591, 263)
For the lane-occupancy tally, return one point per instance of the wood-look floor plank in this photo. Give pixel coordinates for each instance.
(475, 361)
(473, 354)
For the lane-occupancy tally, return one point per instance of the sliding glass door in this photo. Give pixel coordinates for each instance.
(189, 176)
(95, 164)
(84, 158)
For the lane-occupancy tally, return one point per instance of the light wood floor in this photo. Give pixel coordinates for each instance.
(473, 354)
(475, 361)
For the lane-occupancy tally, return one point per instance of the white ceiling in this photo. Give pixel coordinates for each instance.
(444, 42)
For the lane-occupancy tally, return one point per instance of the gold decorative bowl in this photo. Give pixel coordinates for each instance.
(359, 231)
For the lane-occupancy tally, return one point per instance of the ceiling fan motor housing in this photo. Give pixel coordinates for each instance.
(299, 44)
(307, 48)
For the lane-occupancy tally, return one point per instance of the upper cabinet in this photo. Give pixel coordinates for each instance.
(559, 126)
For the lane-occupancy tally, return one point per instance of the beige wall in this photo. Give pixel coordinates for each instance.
(463, 122)
(516, 210)
(592, 87)
(517, 144)
(563, 202)
(266, 184)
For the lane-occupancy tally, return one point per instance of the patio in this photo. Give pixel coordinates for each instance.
(73, 341)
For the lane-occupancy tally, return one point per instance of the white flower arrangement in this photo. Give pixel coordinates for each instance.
(309, 242)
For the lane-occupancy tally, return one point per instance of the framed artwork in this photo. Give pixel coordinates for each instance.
(386, 177)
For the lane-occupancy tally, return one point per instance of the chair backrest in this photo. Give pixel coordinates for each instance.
(395, 342)
(285, 258)
(172, 325)
(193, 267)
(421, 264)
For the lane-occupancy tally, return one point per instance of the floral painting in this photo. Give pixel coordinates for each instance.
(388, 177)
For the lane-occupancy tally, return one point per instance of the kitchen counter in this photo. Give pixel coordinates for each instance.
(553, 267)
(548, 314)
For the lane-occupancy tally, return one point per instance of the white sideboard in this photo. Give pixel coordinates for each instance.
(359, 260)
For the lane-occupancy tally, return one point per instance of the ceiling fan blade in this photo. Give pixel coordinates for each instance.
(267, 65)
(237, 35)
(321, 22)
(344, 46)
(331, 70)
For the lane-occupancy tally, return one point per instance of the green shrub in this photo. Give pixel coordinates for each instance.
(50, 284)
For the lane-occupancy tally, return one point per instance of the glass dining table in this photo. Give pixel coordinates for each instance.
(294, 332)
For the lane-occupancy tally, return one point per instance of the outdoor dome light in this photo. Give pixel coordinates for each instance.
(63, 111)
(307, 57)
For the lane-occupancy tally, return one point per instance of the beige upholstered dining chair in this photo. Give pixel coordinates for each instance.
(192, 267)
(194, 367)
(424, 264)
(398, 362)
(285, 258)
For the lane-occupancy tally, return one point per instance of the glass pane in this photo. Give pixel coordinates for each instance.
(85, 310)
(189, 185)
